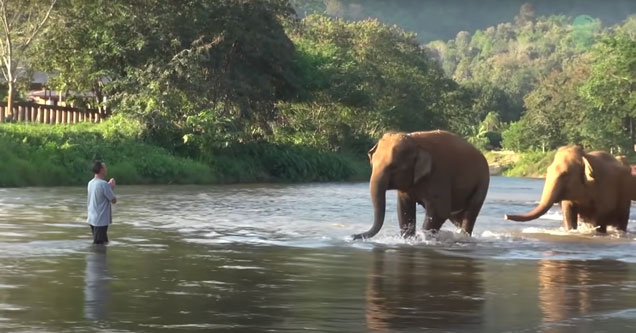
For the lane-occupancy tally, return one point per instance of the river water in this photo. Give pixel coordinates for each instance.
(278, 258)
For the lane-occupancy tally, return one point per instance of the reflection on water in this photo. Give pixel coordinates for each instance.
(279, 258)
(573, 291)
(96, 284)
(557, 301)
(411, 288)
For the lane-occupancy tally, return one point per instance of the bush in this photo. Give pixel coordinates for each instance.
(287, 163)
(36, 154)
(531, 164)
(45, 155)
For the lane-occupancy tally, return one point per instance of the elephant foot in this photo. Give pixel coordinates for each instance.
(408, 232)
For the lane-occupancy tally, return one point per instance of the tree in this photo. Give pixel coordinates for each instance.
(527, 14)
(611, 87)
(182, 65)
(380, 72)
(22, 21)
(555, 112)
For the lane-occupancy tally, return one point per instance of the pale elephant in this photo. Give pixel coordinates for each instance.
(595, 187)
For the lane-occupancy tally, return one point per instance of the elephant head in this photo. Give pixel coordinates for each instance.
(397, 163)
(568, 178)
(631, 181)
(623, 160)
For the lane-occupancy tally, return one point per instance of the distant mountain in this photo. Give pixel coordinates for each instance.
(436, 19)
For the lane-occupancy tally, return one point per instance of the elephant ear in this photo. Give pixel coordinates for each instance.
(423, 165)
(589, 170)
(372, 151)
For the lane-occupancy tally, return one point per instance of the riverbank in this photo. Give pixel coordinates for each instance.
(512, 164)
(60, 155)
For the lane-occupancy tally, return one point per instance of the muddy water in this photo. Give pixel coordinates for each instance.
(278, 258)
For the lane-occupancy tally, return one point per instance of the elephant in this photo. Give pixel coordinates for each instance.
(436, 169)
(631, 184)
(594, 186)
(625, 162)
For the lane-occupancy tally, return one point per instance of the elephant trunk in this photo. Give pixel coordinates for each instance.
(378, 186)
(551, 192)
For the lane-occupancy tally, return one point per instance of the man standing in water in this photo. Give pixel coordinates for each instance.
(100, 197)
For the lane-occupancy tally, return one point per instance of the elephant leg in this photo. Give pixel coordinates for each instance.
(469, 222)
(457, 219)
(622, 215)
(464, 220)
(432, 221)
(406, 214)
(570, 215)
(473, 208)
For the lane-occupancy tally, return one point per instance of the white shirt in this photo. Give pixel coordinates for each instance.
(100, 195)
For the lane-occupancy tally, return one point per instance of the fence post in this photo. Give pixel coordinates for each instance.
(39, 115)
(1, 114)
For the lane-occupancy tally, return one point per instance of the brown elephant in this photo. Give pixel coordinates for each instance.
(623, 160)
(632, 181)
(436, 169)
(594, 187)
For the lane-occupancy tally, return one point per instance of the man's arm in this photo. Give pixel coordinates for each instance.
(108, 192)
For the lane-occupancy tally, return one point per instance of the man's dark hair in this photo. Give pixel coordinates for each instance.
(97, 167)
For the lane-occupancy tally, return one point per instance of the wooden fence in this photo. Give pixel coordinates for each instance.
(50, 114)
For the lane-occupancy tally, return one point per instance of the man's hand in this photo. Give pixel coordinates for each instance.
(111, 182)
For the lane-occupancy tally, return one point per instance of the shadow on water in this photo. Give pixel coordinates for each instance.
(411, 288)
(97, 291)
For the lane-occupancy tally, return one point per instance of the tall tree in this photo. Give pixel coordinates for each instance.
(22, 21)
(611, 87)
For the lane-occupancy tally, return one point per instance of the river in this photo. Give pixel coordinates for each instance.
(278, 258)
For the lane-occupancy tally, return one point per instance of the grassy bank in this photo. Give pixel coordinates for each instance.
(530, 164)
(50, 155)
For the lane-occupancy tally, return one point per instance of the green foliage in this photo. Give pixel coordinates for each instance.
(377, 75)
(44, 155)
(62, 155)
(441, 20)
(164, 61)
(509, 59)
(589, 101)
(531, 164)
(610, 88)
(240, 91)
(555, 112)
(289, 163)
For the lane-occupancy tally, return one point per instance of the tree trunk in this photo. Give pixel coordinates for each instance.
(10, 99)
